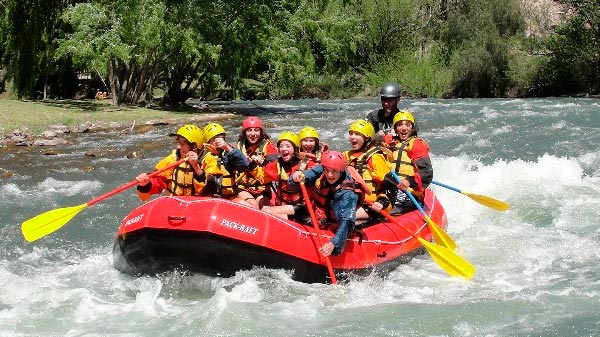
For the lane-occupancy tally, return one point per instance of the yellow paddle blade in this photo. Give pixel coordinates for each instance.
(440, 236)
(46, 223)
(452, 263)
(488, 201)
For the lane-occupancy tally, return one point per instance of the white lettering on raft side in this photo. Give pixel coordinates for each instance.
(240, 227)
(134, 220)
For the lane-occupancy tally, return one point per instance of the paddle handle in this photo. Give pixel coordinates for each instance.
(313, 218)
(132, 183)
(446, 186)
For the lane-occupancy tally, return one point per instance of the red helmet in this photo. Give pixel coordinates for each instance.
(334, 160)
(252, 122)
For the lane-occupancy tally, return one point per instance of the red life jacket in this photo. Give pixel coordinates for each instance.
(286, 196)
(324, 192)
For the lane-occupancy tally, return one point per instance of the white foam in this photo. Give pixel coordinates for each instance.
(68, 187)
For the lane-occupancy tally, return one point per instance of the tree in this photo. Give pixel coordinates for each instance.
(475, 43)
(573, 62)
(30, 28)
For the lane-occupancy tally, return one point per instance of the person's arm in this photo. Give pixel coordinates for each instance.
(373, 118)
(419, 154)
(265, 174)
(154, 185)
(235, 160)
(310, 176)
(344, 208)
(270, 153)
(379, 169)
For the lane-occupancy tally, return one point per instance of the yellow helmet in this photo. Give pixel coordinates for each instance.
(403, 116)
(290, 137)
(211, 130)
(307, 132)
(191, 133)
(363, 127)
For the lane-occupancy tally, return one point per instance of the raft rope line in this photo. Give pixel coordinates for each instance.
(300, 232)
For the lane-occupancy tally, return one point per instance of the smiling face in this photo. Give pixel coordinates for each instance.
(404, 129)
(253, 135)
(286, 150)
(331, 175)
(357, 140)
(308, 144)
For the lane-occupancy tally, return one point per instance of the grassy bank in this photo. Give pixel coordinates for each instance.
(35, 117)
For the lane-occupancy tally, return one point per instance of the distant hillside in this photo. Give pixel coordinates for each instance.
(542, 15)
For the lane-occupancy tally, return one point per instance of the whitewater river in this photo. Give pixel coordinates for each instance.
(538, 263)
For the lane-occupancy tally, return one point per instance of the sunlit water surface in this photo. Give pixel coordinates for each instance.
(537, 263)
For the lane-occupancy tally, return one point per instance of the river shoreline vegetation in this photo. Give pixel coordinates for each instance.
(161, 53)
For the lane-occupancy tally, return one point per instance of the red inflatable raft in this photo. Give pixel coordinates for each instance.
(218, 237)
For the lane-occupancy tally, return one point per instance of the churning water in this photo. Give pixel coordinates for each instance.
(538, 263)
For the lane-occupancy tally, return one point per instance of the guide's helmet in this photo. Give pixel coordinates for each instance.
(390, 89)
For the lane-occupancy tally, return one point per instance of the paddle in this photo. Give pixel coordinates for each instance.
(492, 203)
(449, 261)
(313, 218)
(439, 235)
(48, 222)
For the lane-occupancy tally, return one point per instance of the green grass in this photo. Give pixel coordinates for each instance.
(35, 117)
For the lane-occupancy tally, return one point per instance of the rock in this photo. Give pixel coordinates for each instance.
(87, 168)
(143, 128)
(24, 143)
(59, 129)
(20, 132)
(92, 153)
(85, 127)
(18, 138)
(50, 153)
(50, 142)
(48, 134)
(135, 154)
(6, 174)
(157, 122)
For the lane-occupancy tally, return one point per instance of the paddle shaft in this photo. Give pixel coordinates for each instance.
(132, 183)
(446, 186)
(394, 220)
(313, 218)
(439, 235)
(490, 202)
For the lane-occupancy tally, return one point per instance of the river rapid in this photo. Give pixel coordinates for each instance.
(537, 263)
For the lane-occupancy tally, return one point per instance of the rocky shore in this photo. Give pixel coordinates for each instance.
(58, 134)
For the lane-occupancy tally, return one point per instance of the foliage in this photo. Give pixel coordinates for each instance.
(420, 74)
(573, 61)
(29, 30)
(293, 48)
(475, 45)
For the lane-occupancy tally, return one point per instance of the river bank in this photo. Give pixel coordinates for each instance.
(48, 123)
